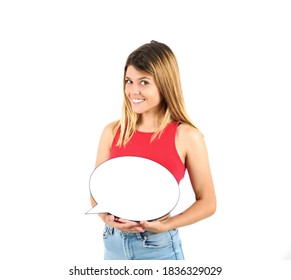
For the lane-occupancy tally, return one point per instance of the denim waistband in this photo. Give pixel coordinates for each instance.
(138, 235)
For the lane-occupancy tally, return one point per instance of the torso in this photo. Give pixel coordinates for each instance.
(167, 150)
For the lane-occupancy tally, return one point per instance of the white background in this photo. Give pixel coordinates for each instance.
(61, 67)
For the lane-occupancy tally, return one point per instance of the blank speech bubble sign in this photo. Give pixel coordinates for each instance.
(133, 188)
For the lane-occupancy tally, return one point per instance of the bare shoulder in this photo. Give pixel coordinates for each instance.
(108, 134)
(106, 142)
(189, 134)
(109, 129)
(188, 140)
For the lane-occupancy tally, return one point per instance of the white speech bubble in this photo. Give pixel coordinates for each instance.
(133, 188)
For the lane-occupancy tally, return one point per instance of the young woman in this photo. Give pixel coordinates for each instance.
(155, 125)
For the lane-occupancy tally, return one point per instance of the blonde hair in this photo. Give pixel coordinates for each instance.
(158, 60)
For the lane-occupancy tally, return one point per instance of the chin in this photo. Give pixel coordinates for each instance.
(137, 111)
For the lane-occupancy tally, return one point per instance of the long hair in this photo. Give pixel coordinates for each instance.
(157, 60)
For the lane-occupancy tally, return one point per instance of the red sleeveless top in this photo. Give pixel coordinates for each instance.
(161, 150)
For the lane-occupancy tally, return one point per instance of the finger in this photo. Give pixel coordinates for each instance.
(127, 222)
(110, 218)
(135, 229)
(144, 223)
(138, 230)
(130, 227)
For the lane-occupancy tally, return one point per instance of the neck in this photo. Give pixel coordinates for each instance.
(148, 124)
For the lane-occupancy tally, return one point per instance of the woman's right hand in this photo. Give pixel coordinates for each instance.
(121, 224)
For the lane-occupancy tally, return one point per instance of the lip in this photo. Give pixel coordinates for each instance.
(137, 100)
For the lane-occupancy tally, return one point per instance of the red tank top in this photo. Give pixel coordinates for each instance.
(161, 150)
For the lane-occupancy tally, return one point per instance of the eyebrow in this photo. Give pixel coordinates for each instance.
(141, 78)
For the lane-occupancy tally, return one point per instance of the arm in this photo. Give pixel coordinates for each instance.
(191, 147)
(103, 152)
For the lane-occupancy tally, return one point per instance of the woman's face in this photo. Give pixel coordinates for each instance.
(142, 92)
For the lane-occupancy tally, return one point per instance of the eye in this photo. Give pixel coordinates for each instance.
(127, 81)
(143, 82)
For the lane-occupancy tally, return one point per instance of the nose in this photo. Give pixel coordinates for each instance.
(134, 90)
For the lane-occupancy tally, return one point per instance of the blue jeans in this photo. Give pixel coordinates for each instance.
(141, 246)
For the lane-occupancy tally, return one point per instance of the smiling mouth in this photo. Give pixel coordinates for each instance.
(137, 100)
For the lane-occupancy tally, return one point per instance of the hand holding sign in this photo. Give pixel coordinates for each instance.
(133, 188)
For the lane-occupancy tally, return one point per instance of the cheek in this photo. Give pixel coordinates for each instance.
(158, 98)
(126, 92)
(155, 96)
